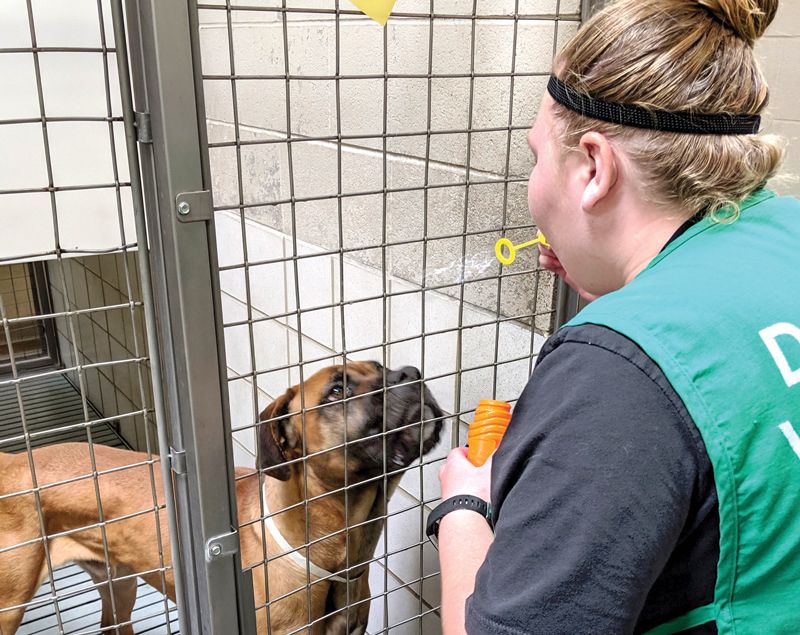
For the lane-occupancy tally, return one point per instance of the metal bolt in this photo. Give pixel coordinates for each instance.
(215, 550)
(184, 208)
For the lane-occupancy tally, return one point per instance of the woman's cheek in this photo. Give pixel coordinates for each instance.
(532, 194)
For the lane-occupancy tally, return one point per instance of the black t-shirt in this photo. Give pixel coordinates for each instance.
(605, 506)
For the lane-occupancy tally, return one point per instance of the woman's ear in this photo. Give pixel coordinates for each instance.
(602, 168)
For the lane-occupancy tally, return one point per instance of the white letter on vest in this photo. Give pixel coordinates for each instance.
(769, 335)
(791, 437)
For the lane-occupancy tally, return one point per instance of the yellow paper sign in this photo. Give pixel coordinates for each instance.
(378, 10)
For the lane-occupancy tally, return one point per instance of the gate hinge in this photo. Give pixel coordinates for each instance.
(222, 545)
(177, 461)
(194, 206)
(144, 133)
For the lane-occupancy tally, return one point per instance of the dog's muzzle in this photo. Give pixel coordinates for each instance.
(413, 417)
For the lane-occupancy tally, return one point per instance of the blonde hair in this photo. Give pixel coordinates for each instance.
(679, 55)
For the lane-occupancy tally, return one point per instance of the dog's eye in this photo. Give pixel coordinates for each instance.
(338, 390)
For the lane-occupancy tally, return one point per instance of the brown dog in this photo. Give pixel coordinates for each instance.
(344, 486)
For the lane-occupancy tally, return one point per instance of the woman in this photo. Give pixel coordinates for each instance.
(650, 478)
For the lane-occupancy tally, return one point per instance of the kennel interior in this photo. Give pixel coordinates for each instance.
(369, 172)
(347, 185)
(360, 178)
(73, 354)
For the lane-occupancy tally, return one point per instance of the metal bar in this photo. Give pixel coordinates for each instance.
(340, 239)
(183, 260)
(384, 161)
(293, 211)
(394, 243)
(245, 598)
(338, 76)
(56, 49)
(28, 446)
(388, 190)
(425, 204)
(568, 302)
(64, 252)
(454, 433)
(13, 122)
(151, 330)
(590, 7)
(64, 188)
(395, 14)
(64, 371)
(47, 315)
(498, 305)
(297, 138)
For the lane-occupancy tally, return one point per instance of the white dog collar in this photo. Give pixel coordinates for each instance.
(293, 553)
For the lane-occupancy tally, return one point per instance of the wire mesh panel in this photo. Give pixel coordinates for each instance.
(75, 390)
(361, 176)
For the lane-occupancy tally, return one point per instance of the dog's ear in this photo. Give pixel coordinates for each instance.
(276, 437)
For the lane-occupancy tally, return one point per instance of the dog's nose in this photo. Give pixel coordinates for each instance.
(403, 375)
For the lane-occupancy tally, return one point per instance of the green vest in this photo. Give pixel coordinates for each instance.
(719, 312)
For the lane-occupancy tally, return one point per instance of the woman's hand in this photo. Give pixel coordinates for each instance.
(459, 476)
(548, 260)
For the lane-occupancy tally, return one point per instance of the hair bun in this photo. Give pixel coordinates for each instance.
(748, 18)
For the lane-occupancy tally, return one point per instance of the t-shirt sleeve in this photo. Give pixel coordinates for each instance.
(591, 486)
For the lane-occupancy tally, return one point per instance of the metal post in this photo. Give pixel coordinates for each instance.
(163, 39)
(568, 301)
(588, 7)
(154, 353)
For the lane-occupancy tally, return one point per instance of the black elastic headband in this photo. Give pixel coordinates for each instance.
(638, 117)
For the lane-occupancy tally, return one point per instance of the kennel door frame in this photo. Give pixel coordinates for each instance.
(165, 64)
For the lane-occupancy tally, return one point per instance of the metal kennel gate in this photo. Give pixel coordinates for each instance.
(262, 141)
(77, 312)
(316, 190)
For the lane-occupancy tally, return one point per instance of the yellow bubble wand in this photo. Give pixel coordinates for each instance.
(505, 245)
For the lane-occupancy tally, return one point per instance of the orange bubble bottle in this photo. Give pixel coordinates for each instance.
(487, 429)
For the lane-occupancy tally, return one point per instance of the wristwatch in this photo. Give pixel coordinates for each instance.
(452, 504)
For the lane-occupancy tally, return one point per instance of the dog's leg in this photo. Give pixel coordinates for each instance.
(360, 616)
(124, 595)
(21, 572)
(352, 620)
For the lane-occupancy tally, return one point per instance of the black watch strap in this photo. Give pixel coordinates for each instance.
(465, 501)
